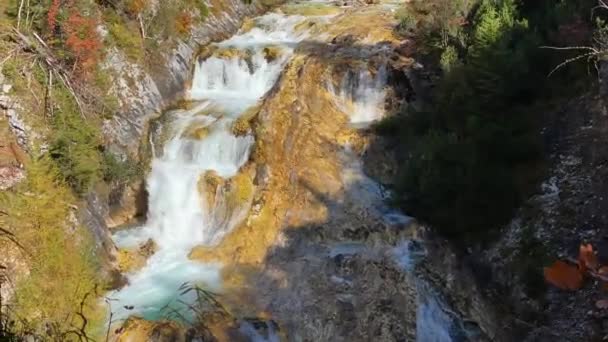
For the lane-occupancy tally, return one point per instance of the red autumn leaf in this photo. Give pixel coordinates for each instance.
(564, 276)
(602, 304)
(587, 258)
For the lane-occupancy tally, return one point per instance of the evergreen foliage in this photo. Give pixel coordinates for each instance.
(475, 151)
(76, 147)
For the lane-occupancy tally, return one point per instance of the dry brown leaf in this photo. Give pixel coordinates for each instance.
(602, 304)
(564, 276)
(587, 257)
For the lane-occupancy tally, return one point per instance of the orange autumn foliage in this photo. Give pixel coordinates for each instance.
(564, 276)
(52, 14)
(183, 23)
(136, 7)
(83, 42)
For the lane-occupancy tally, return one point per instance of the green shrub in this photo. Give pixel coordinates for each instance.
(76, 145)
(125, 35)
(470, 149)
(203, 10)
(449, 59)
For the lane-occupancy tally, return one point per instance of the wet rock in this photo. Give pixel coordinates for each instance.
(209, 184)
(127, 204)
(443, 268)
(262, 175)
(271, 53)
(133, 260)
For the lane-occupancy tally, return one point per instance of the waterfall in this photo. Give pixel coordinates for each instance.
(361, 95)
(179, 218)
(200, 140)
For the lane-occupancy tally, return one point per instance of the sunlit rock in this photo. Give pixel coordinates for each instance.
(130, 260)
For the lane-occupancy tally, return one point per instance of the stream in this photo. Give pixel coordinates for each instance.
(200, 140)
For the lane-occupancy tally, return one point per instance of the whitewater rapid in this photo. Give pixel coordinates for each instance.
(179, 218)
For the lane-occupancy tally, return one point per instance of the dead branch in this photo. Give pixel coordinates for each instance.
(43, 50)
(9, 55)
(590, 55)
(11, 237)
(569, 48)
(601, 4)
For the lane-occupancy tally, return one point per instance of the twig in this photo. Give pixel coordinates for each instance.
(8, 56)
(19, 14)
(27, 14)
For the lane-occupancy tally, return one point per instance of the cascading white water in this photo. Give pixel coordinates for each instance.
(361, 95)
(236, 83)
(179, 217)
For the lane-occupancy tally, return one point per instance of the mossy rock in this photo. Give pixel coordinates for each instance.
(212, 179)
(241, 127)
(130, 260)
(206, 51)
(147, 249)
(197, 133)
(272, 53)
(240, 189)
(248, 25)
(233, 52)
(208, 186)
